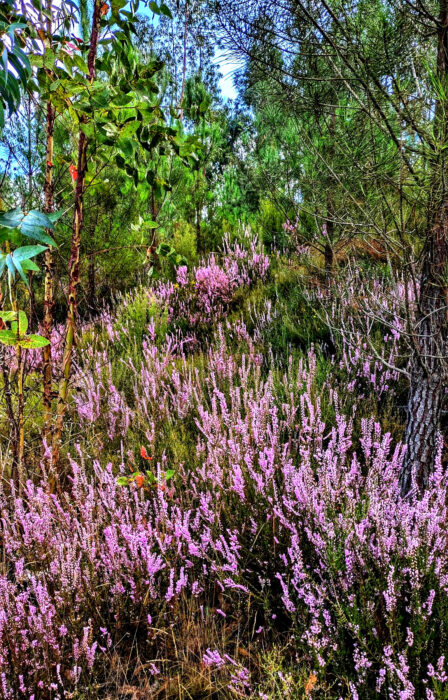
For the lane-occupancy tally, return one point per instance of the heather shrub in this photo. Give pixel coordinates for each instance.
(230, 521)
(200, 298)
(276, 524)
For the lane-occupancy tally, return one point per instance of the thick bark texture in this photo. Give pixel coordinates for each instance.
(424, 409)
(428, 372)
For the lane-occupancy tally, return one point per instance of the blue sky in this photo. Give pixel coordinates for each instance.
(227, 69)
(226, 66)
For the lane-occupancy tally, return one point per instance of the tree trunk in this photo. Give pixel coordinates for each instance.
(424, 409)
(47, 367)
(428, 372)
(429, 364)
(74, 263)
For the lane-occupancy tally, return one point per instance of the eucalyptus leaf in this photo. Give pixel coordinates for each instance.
(165, 10)
(31, 224)
(8, 337)
(15, 317)
(29, 266)
(28, 251)
(19, 269)
(33, 341)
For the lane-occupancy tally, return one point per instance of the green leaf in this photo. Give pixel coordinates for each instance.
(122, 100)
(120, 161)
(16, 334)
(55, 216)
(14, 317)
(8, 337)
(12, 218)
(81, 64)
(30, 266)
(126, 146)
(55, 85)
(164, 250)
(101, 99)
(169, 474)
(39, 236)
(88, 129)
(117, 5)
(37, 60)
(28, 251)
(19, 269)
(153, 6)
(130, 129)
(165, 10)
(33, 341)
(122, 481)
(37, 218)
(31, 225)
(8, 316)
(10, 266)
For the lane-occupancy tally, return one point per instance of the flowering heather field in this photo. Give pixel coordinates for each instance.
(229, 523)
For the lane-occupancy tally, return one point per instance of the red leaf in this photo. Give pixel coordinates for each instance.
(104, 9)
(139, 480)
(73, 172)
(144, 454)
